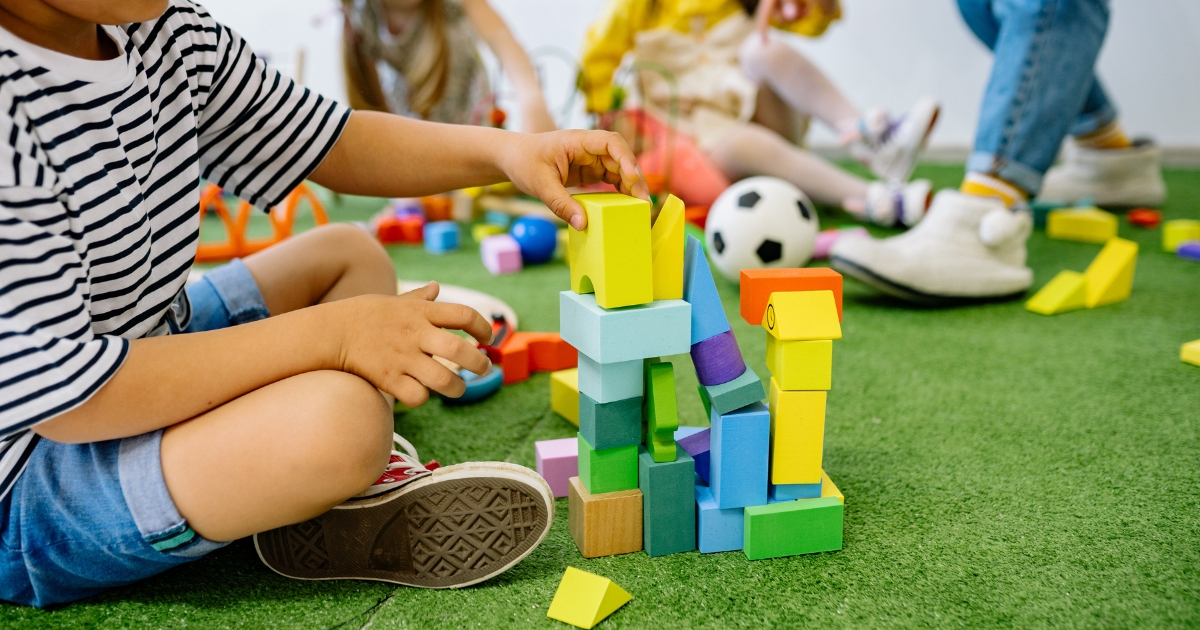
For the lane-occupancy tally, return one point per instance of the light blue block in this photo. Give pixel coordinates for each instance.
(738, 453)
(699, 290)
(657, 329)
(717, 529)
(441, 237)
(793, 491)
(608, 382)
(497, 217)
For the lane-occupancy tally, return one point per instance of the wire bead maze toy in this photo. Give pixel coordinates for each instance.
(237, 244)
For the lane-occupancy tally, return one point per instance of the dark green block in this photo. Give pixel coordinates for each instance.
(744, 390)
(609, 469)
(668, 503)
(793, 527)
(611, 424)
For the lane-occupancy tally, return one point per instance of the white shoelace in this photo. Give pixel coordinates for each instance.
(406, 460)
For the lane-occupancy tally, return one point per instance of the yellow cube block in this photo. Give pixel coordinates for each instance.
(666, 250)
(1190, 353)
(797, 365)
(611, 256)
(797, 435)
(564, 394)
(1110, 276)
(584, 599)
(802, 316)
(1179, 231)
(1087, 225)
(1066, 292)
(830, 490)
(481, 231)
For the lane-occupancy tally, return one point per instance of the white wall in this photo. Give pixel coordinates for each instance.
(886, 52)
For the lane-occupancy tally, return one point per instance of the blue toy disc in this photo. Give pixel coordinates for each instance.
(478, 387)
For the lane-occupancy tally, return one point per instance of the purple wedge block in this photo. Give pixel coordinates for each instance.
(718, 359)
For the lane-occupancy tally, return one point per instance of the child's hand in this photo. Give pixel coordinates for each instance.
(545, 165)
(391, 340)
(788, 11)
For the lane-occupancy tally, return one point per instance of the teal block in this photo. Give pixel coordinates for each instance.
(668, 503)
(716, 529)
(792, 528)
(610, 424)
(739, 447)
(735, 394)
(608, 470)
(657, 329)
(708, 316)
(607, 382)
(793, 491)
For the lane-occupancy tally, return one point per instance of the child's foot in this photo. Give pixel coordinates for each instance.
(890, 147)
(447, 528)
(1126, 177)
(893, 204)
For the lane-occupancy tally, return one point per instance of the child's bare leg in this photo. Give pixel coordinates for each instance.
(801, 84)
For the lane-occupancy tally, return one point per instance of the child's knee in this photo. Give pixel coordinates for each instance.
(356, 246)
(351, 436)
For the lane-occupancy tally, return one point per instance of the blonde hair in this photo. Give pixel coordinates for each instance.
(426, 74)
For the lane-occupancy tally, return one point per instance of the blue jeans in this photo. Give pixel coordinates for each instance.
(83, 518)
(1043, 84)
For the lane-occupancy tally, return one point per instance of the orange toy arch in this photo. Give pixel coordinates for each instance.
(236, 244)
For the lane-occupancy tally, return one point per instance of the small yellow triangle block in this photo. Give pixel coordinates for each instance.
(830, 490)
(1088, 225)
(1190, 353)
(1110, 276)
(802, 316)
(666, 250)
(585, 599)
(1066, 292)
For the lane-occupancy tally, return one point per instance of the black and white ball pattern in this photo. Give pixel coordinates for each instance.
(760, 222)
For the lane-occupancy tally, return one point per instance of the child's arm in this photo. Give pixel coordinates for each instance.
(496, 34)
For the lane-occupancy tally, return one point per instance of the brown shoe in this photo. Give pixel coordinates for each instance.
(455, 527)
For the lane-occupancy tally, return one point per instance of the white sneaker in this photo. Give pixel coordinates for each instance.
(890, 148)
(1108, 177)
(894, 204)
(967, 249)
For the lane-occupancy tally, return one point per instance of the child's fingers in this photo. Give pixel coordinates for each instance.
(436, 377)
(407, 390)
(446, 345)
(428, 292)
(762, 17)
(459, 317)
(616, 156)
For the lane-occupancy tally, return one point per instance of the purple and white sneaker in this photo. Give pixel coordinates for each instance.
(890, 147)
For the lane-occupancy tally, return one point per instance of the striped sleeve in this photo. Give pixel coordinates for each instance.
(261, 133)
(50, 360)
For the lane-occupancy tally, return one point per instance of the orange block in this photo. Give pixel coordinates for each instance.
(757, 285)
(437, 207)
(526, 352)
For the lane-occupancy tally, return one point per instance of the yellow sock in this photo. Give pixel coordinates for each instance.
(982, 185)
(1110, 136)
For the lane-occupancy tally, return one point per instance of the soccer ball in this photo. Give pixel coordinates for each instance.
(760, 222)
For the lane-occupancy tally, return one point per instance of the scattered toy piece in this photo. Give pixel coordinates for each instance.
(478, 387)
(1066, 292)
(605, 524)
(537, 238)
(1110, 276)
(585, 599)
(1189, 250)
(1086, 225)
(793, 527)
(437, 207)
(501, 254)
(1190, 352)
(1179, 231)
(480, 231)
(441, 237)
(1144, 217)
(1041, 209)
(564, 394)
(557, 462)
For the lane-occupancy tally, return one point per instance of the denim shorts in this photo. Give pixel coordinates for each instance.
(83, 518)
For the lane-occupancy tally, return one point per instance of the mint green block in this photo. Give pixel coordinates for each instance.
(792, 528)
(744, 390)
(609, 469)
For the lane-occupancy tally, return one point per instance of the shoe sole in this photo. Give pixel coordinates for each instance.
(843, 266)
(461, 525)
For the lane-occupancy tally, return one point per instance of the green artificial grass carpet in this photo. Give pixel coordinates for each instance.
(1000, 468)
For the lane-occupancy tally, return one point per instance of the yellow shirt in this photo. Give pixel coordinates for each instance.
(612, 35)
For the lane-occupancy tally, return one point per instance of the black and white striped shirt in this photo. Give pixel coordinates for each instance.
(100, 163)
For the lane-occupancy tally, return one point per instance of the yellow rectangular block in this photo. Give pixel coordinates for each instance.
(797, 435)
(1066, 292)
(1087, 225)
(611, 256)
(802, 316)
(666, 250)
(830, 490)
(1177, 232)
(1110, 276)
(1190, 353)
(801, 365)
(564, 394)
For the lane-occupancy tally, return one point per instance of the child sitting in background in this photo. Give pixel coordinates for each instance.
(734, 88)
(144, 424)
(420, 58)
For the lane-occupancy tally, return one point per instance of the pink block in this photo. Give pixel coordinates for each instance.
(501, 254)
(558, 461)
(826, 239)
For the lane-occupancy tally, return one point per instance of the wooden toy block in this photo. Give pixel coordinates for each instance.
(797, 435)
(500, 254)
(662, 416)
(606, 382)
(604, 524)
(584, 599)
(564, 394)
(481, 231)
(668, 508)
(608, 470)
(717, 359)
(666, 250)
(1066, 292)
(793, 528)
(716, 529)
(610, 424)
(522, 353)
(1086, 225)
(1110, 276)
(757, 285)
(1179, 231)
(830, 490)
(738, 456)
(741, 391)
(657, 329)
(441, 237)
(557, 462)
(696, 442)
(1144, 217)
(802, 316)
(801, 364)
(1190, 352)
(611, 256)
(1189, 250)
(699, 290)
(793, 491)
